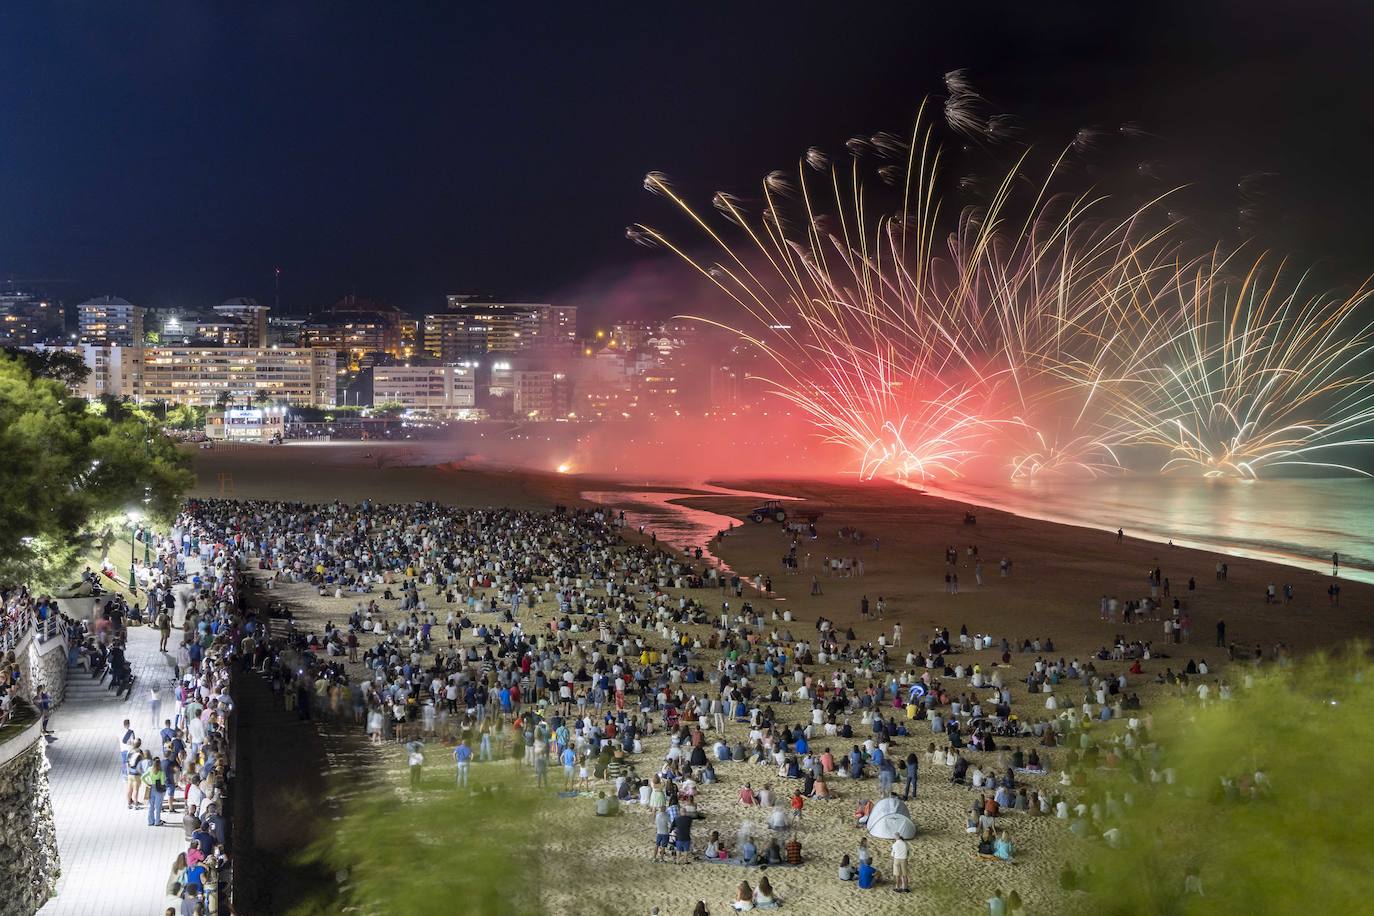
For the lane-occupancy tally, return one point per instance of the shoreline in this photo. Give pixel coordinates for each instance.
(1307, 564)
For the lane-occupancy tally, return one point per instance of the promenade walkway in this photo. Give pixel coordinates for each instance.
(113, 863)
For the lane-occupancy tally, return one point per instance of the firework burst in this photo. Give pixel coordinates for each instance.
(1040, 336)
(1257, 374)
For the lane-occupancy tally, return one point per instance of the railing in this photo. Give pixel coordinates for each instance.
(48, 629)
(15, 632)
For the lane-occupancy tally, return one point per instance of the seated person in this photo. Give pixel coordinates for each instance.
(986, 842)
(862, 812)
(765, 898)
(846, 870)
(714, 848)
(868, 875)
(1002, 847)
(744, 897)
(606, 807)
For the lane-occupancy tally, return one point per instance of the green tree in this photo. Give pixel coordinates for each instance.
(223, 400)
(185, 416)
(472, 848)
(1263, 800)
(69, 472)
(59, 365)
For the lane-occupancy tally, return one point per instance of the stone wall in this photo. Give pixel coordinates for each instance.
(29, 864)
(48, 663)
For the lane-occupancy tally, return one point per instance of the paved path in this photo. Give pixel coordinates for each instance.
(113, 863)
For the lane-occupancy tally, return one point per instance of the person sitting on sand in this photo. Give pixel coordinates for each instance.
(821, 789)
(714, 849)
(862, 812)
(868, 875)
(744, 897)
(764, 895)
(846, 870)
(748, 853)
(747, 797)
(987, 840)
(1002, 847)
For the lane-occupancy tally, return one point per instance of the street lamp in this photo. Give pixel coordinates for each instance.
(147, 545)
(133, 516)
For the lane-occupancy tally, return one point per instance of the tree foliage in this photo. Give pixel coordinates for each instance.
(1293, 839)
(69, 471)
(60, 365)
(444, 851)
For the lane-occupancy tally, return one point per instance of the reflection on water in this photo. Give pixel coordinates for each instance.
(1297, 522)
(681, 527)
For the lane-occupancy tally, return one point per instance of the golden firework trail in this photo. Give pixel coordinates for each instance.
(1042, 337)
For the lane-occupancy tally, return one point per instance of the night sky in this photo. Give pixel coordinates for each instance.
(175, 153)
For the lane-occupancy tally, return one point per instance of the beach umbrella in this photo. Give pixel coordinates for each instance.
(890, 819)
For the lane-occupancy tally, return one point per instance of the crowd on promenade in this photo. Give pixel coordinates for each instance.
(174, 746)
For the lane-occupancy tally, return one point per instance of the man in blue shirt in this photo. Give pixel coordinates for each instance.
(462, 755)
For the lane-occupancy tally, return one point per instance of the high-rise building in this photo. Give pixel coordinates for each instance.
(115, 372)
(472, 328)
(27, 319)
(557, 327)
(356, 328)
(110, 321)
(251, 315)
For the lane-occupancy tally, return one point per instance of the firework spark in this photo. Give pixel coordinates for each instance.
(1043, 337)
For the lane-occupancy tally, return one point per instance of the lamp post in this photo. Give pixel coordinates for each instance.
(133, 515)
(147, 546)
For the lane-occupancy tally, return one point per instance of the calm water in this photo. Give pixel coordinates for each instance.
(677, 526)
(1297, 522)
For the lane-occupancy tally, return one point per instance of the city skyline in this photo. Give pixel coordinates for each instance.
(355, 150)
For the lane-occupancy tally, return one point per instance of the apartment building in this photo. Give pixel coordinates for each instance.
(296, 376)
(446, 390)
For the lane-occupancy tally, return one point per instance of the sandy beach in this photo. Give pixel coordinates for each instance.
(1058, 575)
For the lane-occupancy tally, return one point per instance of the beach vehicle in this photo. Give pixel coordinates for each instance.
(772, 509)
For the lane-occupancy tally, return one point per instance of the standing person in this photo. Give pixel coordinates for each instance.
(1120, 535)
(1335, 564)
(416, 758)
(156, 782)
(154, 707)
(164, 626)
(912, 771)
(900, 852)
(45, 707)
(462, 756)
(1221, 633)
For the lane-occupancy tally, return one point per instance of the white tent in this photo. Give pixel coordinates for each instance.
(890, 819)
